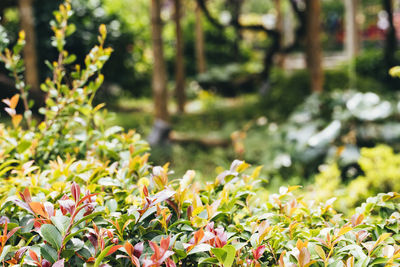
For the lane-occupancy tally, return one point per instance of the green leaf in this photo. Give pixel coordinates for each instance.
(48, 253)
(68, 237)
(50, 233)
(220, 254)
(102, 256)
(208, 261)
(112, 205)
(200, 248)
(230, 255)
(61, 222)
(6, 249)
(76, 244)
(88, 217)
(225, 255)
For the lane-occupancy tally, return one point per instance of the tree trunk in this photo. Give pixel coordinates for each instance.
(279, 27)
(161, 128)
(391, 40)
(180, 60)
(200, 51)
(352, 38)
(30, 55)
(159, 81)
(313, 45)
(352, 31)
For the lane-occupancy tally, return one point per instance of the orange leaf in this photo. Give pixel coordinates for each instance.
(16, 120)
(113, 249)
(14, 101)
(129, 248)
(38, 209)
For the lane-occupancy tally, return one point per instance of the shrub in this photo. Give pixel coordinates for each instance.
(77, 194)
(378, 172)
(330, 126)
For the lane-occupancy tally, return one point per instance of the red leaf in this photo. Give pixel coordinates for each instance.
(10, 234)
(145, 191)
(170, 263)
(86, 197)
(26, 195)
(33, 255)
(20, 252)
(164, 244)
(156, 250)
(138, 250)
(257, 253)
(76, 191)
(66, 205)
(113, 249)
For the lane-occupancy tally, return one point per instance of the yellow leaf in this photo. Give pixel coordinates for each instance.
(256, 172)
(320, 252)
(243, 167)
(16, 120)
(103, 30)
(293, 187)
(21, 35)
(98, 107)
(344, 230)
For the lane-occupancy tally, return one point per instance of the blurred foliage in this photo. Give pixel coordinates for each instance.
(378, 172)
(370, 64)
(77, 192)
(324, 126)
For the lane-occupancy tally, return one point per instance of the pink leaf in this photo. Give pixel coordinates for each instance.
(59, 263)
(76, 191)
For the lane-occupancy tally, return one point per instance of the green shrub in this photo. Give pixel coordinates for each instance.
(371, 64)
(77, 194)
(380, 168)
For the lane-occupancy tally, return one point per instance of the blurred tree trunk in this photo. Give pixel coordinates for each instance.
(313, 45)
(160, 132)
(30, 56)
(235, 10)
(180, 60)
(352, 38)
(391, 40)
(200, 50)
(3, 5)
(159, 82)
(352, 29)
(279, 27)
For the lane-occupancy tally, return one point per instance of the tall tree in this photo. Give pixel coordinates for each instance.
(391, 40)
(313, 44)
(275, 45)
(180, 60)
(200, 46)
(161, 128)
(30, 56)
(352, 37)
(159, 81)
(279, 27)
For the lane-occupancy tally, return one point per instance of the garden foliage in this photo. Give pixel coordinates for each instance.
(76, 193)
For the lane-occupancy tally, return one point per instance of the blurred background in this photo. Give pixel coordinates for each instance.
(301, 87)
